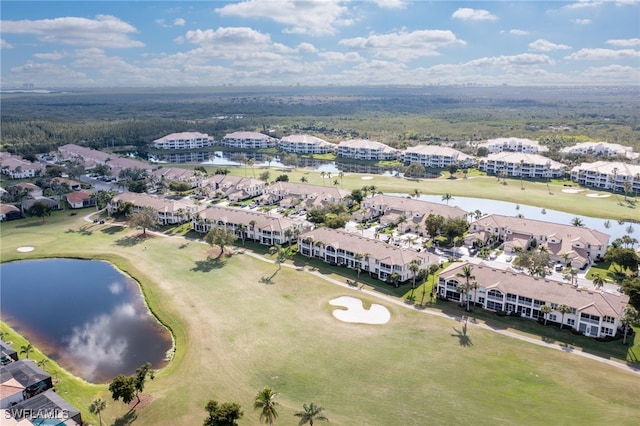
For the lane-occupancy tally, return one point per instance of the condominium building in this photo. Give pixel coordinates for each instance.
(517, 164)
(354, 251)
(18, 168)
(593, 313)
(235, 188)
(364, 149)
(248, 140)
(607, 175)
(604, 149)
(248, 224)
(303, 195)
(527, 146)
(184, 140)
(306, 144)
(436, 156)
(170, 212)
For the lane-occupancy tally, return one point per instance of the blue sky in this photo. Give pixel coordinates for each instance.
(318, 42)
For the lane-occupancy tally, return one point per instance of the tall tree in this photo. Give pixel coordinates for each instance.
(576, 221)
(630, 317)
(467, 274)
(222, 414)
(563, 309)
(546, 310)
(221, 237)
(598, 282)
(140, 378)
(447, 197)
(40, 209)
(97, 406)
(265, 401)
(122, 387)
(144, 218)
(414, 267)
(310, 413)
(26, 350)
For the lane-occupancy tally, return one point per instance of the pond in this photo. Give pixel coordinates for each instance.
(84, 314)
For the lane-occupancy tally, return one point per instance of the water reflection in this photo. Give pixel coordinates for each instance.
(84, 314)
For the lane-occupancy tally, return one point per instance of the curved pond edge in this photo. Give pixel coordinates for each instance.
(115, 262)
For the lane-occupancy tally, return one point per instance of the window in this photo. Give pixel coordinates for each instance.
(610, 320)
(606, 330)
(571, 321)
(552, 317)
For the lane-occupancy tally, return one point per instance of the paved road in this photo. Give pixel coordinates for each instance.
(427, 311)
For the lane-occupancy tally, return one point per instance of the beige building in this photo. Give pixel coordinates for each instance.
(604, 149)
(342, 248)
(527, 146)
(517, 164)
(303, 196)
(306, 144)
(593, 313)
(607, 175)
(435, 156)
(184, 140)
(234, 188)
(364, 149)
(248, 140)
(18, 168)
(170, 212)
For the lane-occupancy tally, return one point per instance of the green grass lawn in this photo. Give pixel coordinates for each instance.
(235, 334)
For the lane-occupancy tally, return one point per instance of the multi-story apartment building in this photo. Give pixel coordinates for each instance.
(607, 175)
(170, 212)
(364, 149)
(303, 195)
(235, 188)
(435, 156)
(594, 313)
(604, 149)
(517, 164)
(354, 251)
(582, 245)
(527, 146)
(184, 140)
(248, 140)
(248, 224)
(18, 168)
(306, 144)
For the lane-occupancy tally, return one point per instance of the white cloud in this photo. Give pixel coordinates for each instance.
(391, 4)
(53, 56)
(404, 46)
(467, 14)
(518, 32)
(542, 45)
(339, 57)
(312, 17)
(603, 54)
(581, 21)
(307, 48)
(629, 42)
(179, 22)
(524, 59)
(611, 74)
(582, 4)
(5, 45)
(105, 31)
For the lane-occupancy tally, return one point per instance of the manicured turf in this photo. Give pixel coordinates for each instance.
(235, 334)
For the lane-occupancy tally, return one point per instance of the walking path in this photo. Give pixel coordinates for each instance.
(394, 300)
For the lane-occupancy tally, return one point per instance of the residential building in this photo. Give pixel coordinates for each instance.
(234, 188)
(81, 199)
(527, 146)
(342, 248)
(306, 144)
(47, 408)
(170, 212)
(7, 353)
(92, 157)
(248, 224)
(9, 212)
(593, 313)
(604, 149)
(303, 196)
(24, 374)
(607, 175)
(518, 164)
(69, 183)
(184, 140)
(248, 140)
(581, 246)
(390, 209)
(435, 156)
(364, 149)
(33, 190)
(168, 174)
(28, 203)
(18, 168)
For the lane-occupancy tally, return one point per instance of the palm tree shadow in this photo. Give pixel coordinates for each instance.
(127, 419)
(208, 264)
(269, 280)
(463, 339)
(128, 241)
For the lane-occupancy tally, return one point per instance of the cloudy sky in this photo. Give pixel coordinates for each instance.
(318, 42)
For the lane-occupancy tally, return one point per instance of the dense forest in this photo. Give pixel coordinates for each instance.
(34, 123)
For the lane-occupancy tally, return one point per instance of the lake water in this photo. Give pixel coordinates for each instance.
(615, 229)
(85, 314)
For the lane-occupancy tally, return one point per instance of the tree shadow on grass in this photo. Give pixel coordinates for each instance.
(84, 230)
(113, 229)
(31, 224)
(269, 280)
(208, 264)
(126, 419)
(129, 241)
(463, 339)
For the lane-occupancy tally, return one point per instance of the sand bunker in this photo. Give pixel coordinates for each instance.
(572, 191)
(355, 312)
(366, 177)
(25, 249)
(598, 195)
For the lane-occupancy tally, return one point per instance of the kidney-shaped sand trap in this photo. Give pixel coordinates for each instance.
(356, 313)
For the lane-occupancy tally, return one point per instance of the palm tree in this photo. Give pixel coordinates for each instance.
(26, 350)
(565, 256)
(521, 173)
(416, 193)
(563, 309)
(358, 263)
(323, 174)
(627, 186)
(303, 179)
(242, 228)
(252, 224)
(341, 176)
(265, 400)
(310, 413)
(97, 406)
(576, 221)
(42, 363)
(447, 197)
(414, 267)
(630, 317)
(598, 282)
(467, 274)
(546, 310)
